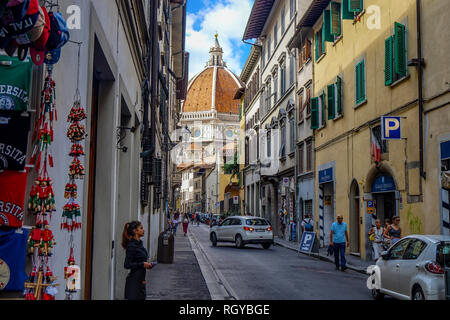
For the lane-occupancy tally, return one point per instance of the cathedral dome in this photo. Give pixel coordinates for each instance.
(214, 88)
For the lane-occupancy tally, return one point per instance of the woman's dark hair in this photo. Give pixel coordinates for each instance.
(128, 232)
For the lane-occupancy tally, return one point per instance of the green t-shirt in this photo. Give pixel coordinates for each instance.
(15, 82)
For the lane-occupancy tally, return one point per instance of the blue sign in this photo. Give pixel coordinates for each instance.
(370, 204)
(391, 128)
(445, 150)
(307, 241)
(383, 183)
(326, 175)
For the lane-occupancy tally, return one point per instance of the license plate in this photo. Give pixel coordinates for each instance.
(260, 230)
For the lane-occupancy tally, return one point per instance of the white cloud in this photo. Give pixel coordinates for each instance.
(226, 17)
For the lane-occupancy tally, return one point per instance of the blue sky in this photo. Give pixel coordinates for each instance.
(226, 17)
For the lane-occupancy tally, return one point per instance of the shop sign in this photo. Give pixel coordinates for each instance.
(383, 183)
(391, 128)
(326, 175)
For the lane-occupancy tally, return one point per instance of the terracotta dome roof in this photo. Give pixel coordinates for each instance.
(215, 87)
(200, 95)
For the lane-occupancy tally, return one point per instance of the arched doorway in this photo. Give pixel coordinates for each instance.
(355, 220)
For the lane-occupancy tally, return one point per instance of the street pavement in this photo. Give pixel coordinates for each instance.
(203, 272)
(253, 273)
(182, 280)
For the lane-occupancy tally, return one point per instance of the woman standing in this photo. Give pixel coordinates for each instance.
(185, 225)
(377, 243)
(135, 261)
(394, 232)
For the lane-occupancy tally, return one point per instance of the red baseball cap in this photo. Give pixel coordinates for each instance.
(37, 50)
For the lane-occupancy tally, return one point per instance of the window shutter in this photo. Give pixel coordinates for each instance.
(326, 28)
(358, 83)
(314, 113)
(324, 109)
(301, 108)
(339, 95)
(388, 70)
(346, 13)
(363, 81)
(317, 46)
(331, 102)
(355, 5)
(400, 50)
(308, 50)
(335, 16)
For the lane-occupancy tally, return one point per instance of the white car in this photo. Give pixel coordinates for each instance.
(413, 268)
(243, 230)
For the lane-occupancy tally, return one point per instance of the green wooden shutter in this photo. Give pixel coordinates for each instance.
(326, 28)
(317, 46)
(388, 69)
(339, 95)
(400, 50)
(363, 80)
(360, 82)
(357, 84)
(335, 17)
(331, 102)
(346, 13)
(355, 5)
(324, 109)
(314, 113)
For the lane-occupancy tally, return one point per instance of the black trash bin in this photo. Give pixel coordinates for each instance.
(166, 245)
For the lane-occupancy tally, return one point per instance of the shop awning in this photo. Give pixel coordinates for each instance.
(260, 12)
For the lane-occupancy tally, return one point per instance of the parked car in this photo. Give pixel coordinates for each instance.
(243, 230)
(414, 268)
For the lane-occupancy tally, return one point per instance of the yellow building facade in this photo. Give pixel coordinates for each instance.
(361, 75)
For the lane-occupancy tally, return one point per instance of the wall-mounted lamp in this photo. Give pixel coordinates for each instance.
(121, 135)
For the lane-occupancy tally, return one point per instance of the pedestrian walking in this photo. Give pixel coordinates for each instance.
(197, 218)
(307, 224)
(282, 224)
(135, 261)
(338, 238)
(185, 225)
(394, 232)
(175, 223)
(376, 235)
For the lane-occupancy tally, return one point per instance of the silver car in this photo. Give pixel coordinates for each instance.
(413, 268)
(243, 230)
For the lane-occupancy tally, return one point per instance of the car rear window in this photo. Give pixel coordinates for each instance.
(256, 222)
(443, 254)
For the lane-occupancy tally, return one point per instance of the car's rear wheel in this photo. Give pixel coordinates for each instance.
(418, 293)
(238, 241)
(377, 295)
(214, 239)
(266, 245)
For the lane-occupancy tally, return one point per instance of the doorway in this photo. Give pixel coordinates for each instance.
(355, 219)
(385, 206)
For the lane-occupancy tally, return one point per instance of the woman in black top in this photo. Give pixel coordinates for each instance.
(135, 260)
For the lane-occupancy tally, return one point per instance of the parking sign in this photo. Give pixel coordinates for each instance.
(307, 242)
(391, 128)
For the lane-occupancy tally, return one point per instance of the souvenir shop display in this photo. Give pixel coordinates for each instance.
(12, 197)
(12, 259)
(30, 30)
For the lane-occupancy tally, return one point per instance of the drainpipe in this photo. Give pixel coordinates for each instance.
(420, 65)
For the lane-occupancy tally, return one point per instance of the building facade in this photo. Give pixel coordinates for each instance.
(210, 127)
(119, 58)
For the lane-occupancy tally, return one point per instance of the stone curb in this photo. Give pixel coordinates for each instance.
(319, 256)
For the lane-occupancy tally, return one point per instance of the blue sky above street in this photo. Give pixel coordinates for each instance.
(226, 17)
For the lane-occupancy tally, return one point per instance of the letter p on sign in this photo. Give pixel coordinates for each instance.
(391, 128)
